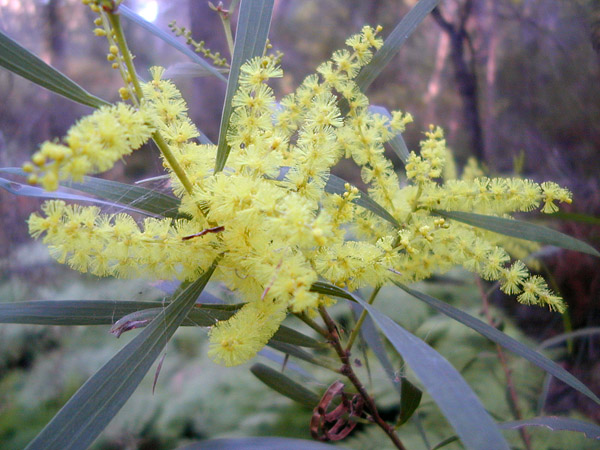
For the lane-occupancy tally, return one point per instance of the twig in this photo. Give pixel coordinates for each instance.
(359, 322)
(348, 371)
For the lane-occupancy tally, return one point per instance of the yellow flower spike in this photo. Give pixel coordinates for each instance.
(238, 339)
(94, 144)
(268, 216)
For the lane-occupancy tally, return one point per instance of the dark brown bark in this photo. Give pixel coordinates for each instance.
(595, 26)
(461, 55)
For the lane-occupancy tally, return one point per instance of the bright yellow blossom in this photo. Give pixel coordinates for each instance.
(269, 215)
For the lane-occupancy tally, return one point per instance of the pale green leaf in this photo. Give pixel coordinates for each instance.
(325, 288)
(132, 196)
(108, 312)
(449, 390)
(285, 385)
(336, 185)
(94, 405)
(170, 39)
(521, 230)
(250, 38)
(21, 61)
(504, 340)
(188, 70)
(394, 42)
(591, 430)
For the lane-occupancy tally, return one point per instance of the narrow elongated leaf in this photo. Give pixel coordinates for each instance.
(576, 217)
(394, 41)
(448, 389)
(188, 70)
(445, 442)
(93, 406)
(582, 332)
(170, 39)
(285, 385)
(329, 289)
(260, 443)
(409, 401)
(21, 61)
(297, 352)
(504, 340)
(26, 190)
(293, 337)
(250, 38)
(336, 185)
(126, 195)
(71, 312)
(108, 312)
(138, 197)
(400, 148)
(397, 143)
(521, 230)
(591, 430)
(280, 359)
(373, 340)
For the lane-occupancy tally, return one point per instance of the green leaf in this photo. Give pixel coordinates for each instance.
(260, 443)
(591, 430)
(397, 142)
(521, 230)
(452, 394)
(504, 340)
(394, 42)
(375, 343)
(26, 190)
(296, 352)
(337, 185)
(171, 40)
(250, 39)
(70, 312)
(582, 332)
(410, 400)
(293, 337)
(285, 385)
(188, 70)
(21, 61)
(93, 406)
(576, 217)
(108, 312)
(329, 289)
(445, 442)
(137, 197)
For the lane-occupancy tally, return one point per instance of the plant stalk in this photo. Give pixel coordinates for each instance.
(361, 319)
(115, 21)
(348, 371)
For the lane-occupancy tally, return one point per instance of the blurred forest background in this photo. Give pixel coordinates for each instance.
(515, 83)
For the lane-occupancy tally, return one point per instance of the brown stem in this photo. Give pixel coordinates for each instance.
(348, 371)
(514, 399)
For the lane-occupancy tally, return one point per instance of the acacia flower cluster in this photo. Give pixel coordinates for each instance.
(269, 217)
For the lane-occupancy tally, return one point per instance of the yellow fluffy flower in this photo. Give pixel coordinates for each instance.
(270, 216)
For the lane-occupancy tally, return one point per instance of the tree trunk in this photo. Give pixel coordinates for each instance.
(464, 75)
